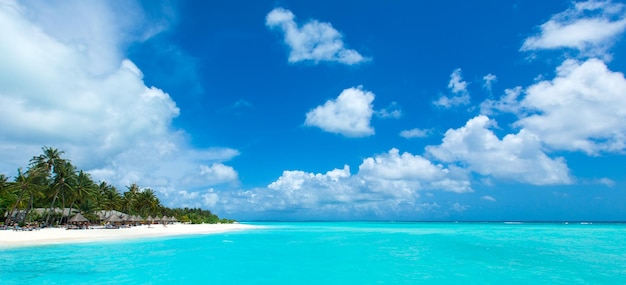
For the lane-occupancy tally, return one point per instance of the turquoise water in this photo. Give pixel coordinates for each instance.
(339, 253)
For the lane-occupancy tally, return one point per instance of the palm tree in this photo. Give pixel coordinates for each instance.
(130, 198)
(147, 202)
(51, 163)
(25, 184)
(109, 198)
(4, 183)
(84, 189)
(5, 193)
(49, 160)
(63, 179)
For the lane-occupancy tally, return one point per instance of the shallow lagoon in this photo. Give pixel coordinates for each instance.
(339, 253)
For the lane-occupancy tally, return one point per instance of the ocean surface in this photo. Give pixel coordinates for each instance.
(339, 253)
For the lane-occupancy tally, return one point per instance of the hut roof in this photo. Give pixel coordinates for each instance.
(113, 218)
(103, 214)
(78, 218)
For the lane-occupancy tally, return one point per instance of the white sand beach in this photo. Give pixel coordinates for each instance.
(11, 238)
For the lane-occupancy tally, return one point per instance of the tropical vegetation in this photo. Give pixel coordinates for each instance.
(51, 182)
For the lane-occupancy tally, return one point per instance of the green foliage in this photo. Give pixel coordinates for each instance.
(53, 182)
(198, 216)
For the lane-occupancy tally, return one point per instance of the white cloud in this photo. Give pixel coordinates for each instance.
(590, 27)
(456, 84)
(488, 198)
(65, 84)
(415, 133)
(606, 182)
(386, 184)
(408, 173)
(304, 189)
(392, 111)
(314, 41)
(581, 109)
(456, 207)
(488, 80)
(96, 29)
(348, 115)
(509, 103)
(517, 157)
(458, 87)
(216, 173)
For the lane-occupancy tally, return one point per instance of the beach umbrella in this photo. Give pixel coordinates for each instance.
(78, 218)
(173, 219)
(149, 219)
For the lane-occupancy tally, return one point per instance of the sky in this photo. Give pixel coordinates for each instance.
(328, 110)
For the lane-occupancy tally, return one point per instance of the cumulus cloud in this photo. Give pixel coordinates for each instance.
(590, 27)
(216, 173)
(517, 157)
(64, 83)
(458, 87)
(407, 172)
(349, 114)
(581, 109)
(508, 103)
(386, 184)
(315, 41)
(415, 133)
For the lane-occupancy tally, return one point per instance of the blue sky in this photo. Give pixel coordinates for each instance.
(284, 110)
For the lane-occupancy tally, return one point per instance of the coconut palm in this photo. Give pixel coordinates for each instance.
(147, 202)
(129, 199)
(26, 186)
(51, 163)
(4, 183)
(64, 176)
(52, 181)
(109, 198)
(49, 160)
(6, 196)
(84, 189)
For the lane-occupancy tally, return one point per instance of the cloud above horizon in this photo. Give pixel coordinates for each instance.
(458, 87)
(581, 109)
(349, 114)
(315, 41)
(590, 27)
(72, 89)
(518, 157)
(76, 90)
(385, 184)
(415, 133)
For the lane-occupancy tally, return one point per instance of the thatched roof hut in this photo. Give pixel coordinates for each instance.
(78, 218)
(113, 219)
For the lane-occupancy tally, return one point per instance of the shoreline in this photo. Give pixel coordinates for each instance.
(49, 236)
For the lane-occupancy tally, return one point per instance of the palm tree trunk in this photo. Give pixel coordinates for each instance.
(69, 212)
(56, 194)
(19, 199)
(30, 207)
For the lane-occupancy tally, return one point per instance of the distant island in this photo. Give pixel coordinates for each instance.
(52, 190)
